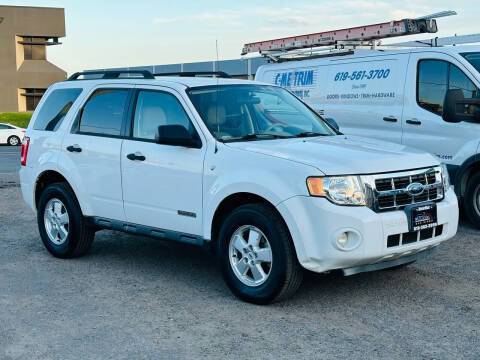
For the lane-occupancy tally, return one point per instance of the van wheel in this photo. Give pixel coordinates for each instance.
(257, 256)
(61, 223)
(471, 200)
(13, 140)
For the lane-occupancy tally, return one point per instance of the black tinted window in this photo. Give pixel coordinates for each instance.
(435, 77)
(5, 127)
(55, 108)
(157, 108)
(103, 112)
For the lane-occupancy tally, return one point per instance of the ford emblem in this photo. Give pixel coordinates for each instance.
(415, 189)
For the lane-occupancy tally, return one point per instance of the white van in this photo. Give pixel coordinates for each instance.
(426, 98)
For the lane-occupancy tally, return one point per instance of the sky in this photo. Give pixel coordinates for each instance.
(119, 33)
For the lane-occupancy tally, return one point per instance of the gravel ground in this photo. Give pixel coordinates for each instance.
(139, 298)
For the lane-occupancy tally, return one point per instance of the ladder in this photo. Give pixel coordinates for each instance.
(362, 35)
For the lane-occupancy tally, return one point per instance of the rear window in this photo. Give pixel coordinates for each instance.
(55, 108)
(103, 112)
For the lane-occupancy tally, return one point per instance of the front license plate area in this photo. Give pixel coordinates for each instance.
(421, 216)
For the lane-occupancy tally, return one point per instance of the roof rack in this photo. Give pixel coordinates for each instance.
(112, 74)
(219, 74)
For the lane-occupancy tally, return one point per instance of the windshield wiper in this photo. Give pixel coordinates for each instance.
(256, 137)
(310, 134)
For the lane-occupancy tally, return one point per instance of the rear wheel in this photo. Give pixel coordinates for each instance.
(257, 256)
(61, 223)
(471, 200)
(13, 140)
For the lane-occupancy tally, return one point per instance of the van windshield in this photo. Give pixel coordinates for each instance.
(473, 58)
(255, 112)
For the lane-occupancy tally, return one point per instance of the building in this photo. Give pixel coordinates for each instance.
(25, 73)
(237, 68)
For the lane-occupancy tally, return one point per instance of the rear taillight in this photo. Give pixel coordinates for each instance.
(24, 152)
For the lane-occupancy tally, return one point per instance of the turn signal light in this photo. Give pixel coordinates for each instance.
(315, 186)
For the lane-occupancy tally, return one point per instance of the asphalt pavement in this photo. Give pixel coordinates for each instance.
(140, 298)
(9, 159)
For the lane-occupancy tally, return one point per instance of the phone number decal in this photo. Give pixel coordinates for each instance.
(362, 75)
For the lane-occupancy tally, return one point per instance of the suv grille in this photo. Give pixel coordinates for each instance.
(391, 191)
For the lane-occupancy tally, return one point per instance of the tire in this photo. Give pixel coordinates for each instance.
(13, 140)
(283, 274)
(471, 200)
(79, 237)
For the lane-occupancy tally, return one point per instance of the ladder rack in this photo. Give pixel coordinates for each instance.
(348, 38)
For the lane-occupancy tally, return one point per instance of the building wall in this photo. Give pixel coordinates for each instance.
(16, 73)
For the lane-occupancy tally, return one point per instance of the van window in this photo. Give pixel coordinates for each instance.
(103, 112)
(473, 58)
(156, 108)
(55, 108)
(433, 80)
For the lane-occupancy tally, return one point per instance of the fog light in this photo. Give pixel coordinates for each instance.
(342, 239)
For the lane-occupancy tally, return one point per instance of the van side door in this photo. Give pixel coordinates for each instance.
(364, 95)
(162, 184)
(430, 75)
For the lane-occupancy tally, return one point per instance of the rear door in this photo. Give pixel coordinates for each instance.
(430, 75)
(162, 184)
(93, 149)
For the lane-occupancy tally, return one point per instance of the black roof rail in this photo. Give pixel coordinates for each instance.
(220, 74)
(112, 74)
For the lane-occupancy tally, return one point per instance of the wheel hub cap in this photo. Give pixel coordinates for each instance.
(250, 255)
(56, 221)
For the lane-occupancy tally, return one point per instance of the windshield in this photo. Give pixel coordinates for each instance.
(473, 58)
(244, 112)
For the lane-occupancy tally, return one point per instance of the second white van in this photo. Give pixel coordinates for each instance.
(427, 98)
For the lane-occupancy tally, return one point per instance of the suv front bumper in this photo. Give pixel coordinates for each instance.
(315, 223)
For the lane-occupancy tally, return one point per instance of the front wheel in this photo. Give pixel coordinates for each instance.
(257, 256)
(471, 200)
(61, 223)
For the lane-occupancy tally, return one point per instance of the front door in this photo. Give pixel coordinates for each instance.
(430, 76)
(162, 184)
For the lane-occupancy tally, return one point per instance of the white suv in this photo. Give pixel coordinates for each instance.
(243, 168)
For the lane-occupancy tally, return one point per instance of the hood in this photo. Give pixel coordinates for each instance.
(343, 154)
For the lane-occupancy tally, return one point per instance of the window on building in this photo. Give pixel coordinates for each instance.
(55, 108)
(434, 78)
(33, 97)
(103, 112)
(33, 51)
(158, 108)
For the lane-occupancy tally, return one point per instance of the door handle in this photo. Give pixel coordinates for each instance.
(136, 156)
(414, 122)
(389, 119)
(74, 148)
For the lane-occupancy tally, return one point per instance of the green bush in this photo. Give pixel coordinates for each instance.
(18, 119)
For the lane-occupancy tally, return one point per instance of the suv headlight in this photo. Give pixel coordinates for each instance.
(445, 177)
(341, 190)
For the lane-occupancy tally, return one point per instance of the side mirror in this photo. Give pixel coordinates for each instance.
(456, 108)
(176, 135)
(333, 123)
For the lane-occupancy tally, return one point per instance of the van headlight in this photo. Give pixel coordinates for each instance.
(445, 177)
(341, 190)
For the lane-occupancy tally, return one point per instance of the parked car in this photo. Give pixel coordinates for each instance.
(240, 167)
(427, 98)
(11, 134)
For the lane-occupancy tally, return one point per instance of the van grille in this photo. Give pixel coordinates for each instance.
(390, 190)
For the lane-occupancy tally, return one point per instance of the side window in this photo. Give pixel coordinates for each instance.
(55, 108)
(434, 78)
(5, 127)
(432, 84)
(103, 112)
(154, 108)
